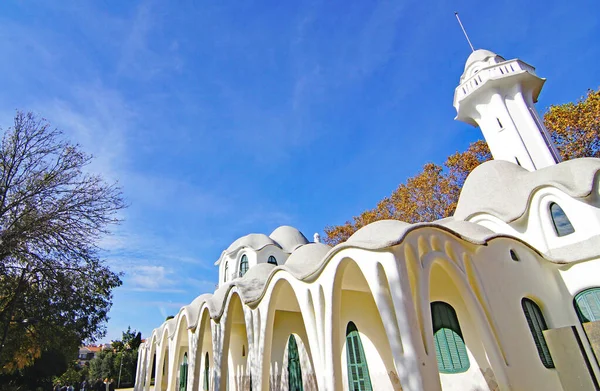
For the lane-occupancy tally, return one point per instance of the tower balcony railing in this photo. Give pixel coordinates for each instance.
(491, 72)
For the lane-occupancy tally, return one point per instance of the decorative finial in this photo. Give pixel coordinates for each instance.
(464, 31)
(317, 238)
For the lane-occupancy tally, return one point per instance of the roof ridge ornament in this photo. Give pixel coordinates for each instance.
(464, 31)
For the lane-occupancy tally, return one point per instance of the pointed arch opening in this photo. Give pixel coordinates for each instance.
(206, 375)
(537, 325)
(234, 369)
(354, 306)
(182, 347)
(203, 348)
(294, 367)
(560, 221)
(358, 369)
(287, 359)
(183, 373)
(456, 328)
(450, 349)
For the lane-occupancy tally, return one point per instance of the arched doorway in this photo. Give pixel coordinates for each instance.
(460, 354)
(234, 372)
(287, 360)
(358, 323)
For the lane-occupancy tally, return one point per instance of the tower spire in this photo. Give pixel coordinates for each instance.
(464, 31)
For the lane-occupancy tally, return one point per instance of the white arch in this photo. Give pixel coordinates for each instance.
(458, 278)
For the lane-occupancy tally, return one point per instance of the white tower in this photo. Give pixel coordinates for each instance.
(499, 96)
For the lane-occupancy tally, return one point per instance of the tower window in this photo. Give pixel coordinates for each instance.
(587, 305)
(450, 349)
(537, 325)
(243, 265)
(514, 256)
(562, 224)
(358, 370)
(499, 123)
(272, 260)
(225, 271)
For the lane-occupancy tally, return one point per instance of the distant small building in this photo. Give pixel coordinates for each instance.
(87, 353)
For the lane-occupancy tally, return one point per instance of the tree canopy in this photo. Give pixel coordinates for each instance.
(121, 359)
(433, 193)
(55, 291)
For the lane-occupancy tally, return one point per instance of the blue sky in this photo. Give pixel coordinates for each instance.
(224, 118)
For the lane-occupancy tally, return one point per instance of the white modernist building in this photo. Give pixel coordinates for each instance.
(504, 295)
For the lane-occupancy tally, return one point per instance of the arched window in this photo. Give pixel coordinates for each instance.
(537, 325)
(225, 271)
(272, 260)
(587, 305)
(243, 265)
(183, 369)
(294, 370)
(450, 349)
(206, 370)
(358, 370)
(562, 224)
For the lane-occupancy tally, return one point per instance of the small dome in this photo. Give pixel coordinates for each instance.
(379, 231)
(479, 55)
(254, 241)
(288, 238)
(307, 257)
(478, 59)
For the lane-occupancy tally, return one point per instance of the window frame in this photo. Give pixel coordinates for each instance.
(558, 231)
(272, 257)
(537, 324)
(243, 262)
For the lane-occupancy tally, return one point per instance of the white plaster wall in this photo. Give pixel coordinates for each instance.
(263, 255)
(503, 284)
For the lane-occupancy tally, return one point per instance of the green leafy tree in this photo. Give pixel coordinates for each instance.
(55, 291)
(122, 358)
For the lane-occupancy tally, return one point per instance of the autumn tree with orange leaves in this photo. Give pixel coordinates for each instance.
(433, 193)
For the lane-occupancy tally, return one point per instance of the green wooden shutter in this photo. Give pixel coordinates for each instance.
(183, 374)
(450, 349)
(358, 370)
(206, 370)
(537, 324)
(294, 368)
(587, 305)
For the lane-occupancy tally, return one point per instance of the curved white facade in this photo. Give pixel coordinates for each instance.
(359, 315)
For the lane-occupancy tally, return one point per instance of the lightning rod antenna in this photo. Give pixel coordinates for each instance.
(464, 31)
